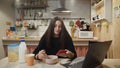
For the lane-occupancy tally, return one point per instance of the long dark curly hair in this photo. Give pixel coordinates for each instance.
(49, 34)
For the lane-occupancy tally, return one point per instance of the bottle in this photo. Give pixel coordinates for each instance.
(76, 32)
(72, 31)
(22, 51)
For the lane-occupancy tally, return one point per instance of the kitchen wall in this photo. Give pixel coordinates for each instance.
(79, 8)
(6, 14)
(116, 30)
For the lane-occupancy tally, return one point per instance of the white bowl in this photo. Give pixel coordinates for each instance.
(52, 59)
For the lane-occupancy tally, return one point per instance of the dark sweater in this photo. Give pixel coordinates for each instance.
(55, 47)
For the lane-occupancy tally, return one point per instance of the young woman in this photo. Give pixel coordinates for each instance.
(55, 38)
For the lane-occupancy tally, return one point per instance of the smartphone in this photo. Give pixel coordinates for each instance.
(61, 51)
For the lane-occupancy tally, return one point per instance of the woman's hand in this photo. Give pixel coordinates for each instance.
(68, 54)
(41, 55)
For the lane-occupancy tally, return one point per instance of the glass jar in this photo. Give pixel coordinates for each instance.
(13, 52)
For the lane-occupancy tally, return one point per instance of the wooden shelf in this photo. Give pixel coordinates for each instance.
(101, 3)
(51, 18)
(99, 21)
(104, 8)
(33, 7)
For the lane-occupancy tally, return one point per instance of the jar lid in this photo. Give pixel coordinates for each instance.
(22, 40)
(13, 45)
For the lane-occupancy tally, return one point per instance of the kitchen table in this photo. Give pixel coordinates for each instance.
(5, 64)
(107, 63)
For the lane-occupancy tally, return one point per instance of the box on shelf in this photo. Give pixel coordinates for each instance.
(86, 34)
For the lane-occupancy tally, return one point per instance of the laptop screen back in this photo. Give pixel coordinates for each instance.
(96, 53)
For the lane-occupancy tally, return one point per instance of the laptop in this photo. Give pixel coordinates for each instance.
(96, 53)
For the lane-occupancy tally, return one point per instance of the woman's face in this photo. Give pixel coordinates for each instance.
(57, 28)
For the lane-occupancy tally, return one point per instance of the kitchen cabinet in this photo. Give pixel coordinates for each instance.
(81, 45)
(102, 29)
(80, 50)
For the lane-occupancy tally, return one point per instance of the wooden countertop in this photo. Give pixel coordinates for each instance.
(37, 39)
(27, 39)
(84, 39)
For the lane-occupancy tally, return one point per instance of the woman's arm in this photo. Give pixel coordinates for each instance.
(71, 50)
(41, 46)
